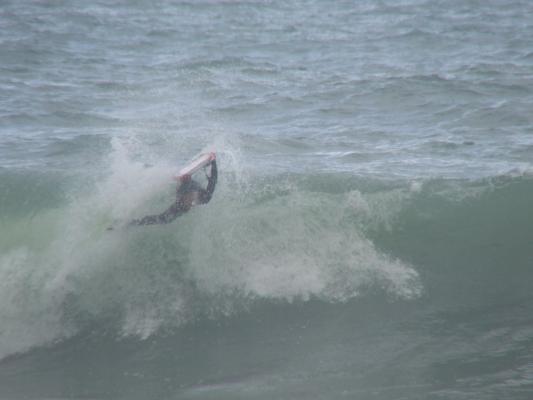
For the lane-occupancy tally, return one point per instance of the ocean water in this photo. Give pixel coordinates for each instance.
(371, 235)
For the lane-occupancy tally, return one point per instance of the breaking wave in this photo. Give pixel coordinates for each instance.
(279, 239)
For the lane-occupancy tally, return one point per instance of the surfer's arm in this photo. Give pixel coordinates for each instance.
(211, 183)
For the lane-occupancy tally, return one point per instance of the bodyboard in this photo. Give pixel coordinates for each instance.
(195, 165)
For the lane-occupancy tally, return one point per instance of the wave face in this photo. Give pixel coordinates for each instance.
(370, 236)
(326, 278)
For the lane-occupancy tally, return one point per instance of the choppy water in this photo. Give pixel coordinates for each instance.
(371, 236)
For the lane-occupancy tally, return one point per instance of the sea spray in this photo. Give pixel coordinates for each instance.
(253, 241)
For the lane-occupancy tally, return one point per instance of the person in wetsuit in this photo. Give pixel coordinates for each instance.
(188, 194)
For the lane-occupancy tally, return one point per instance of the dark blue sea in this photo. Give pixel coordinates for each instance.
(371, 234)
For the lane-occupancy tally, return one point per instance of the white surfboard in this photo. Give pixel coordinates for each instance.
(195, 165)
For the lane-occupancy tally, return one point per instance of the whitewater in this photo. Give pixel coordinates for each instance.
(371, 233)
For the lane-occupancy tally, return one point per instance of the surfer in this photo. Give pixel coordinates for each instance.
(188, 194)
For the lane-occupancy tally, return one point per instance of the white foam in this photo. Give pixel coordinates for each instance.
(29, 312)
(295, 246)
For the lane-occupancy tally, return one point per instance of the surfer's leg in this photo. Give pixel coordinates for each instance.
(165, 217)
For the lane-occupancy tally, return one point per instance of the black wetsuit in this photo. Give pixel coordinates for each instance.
(180, 207)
